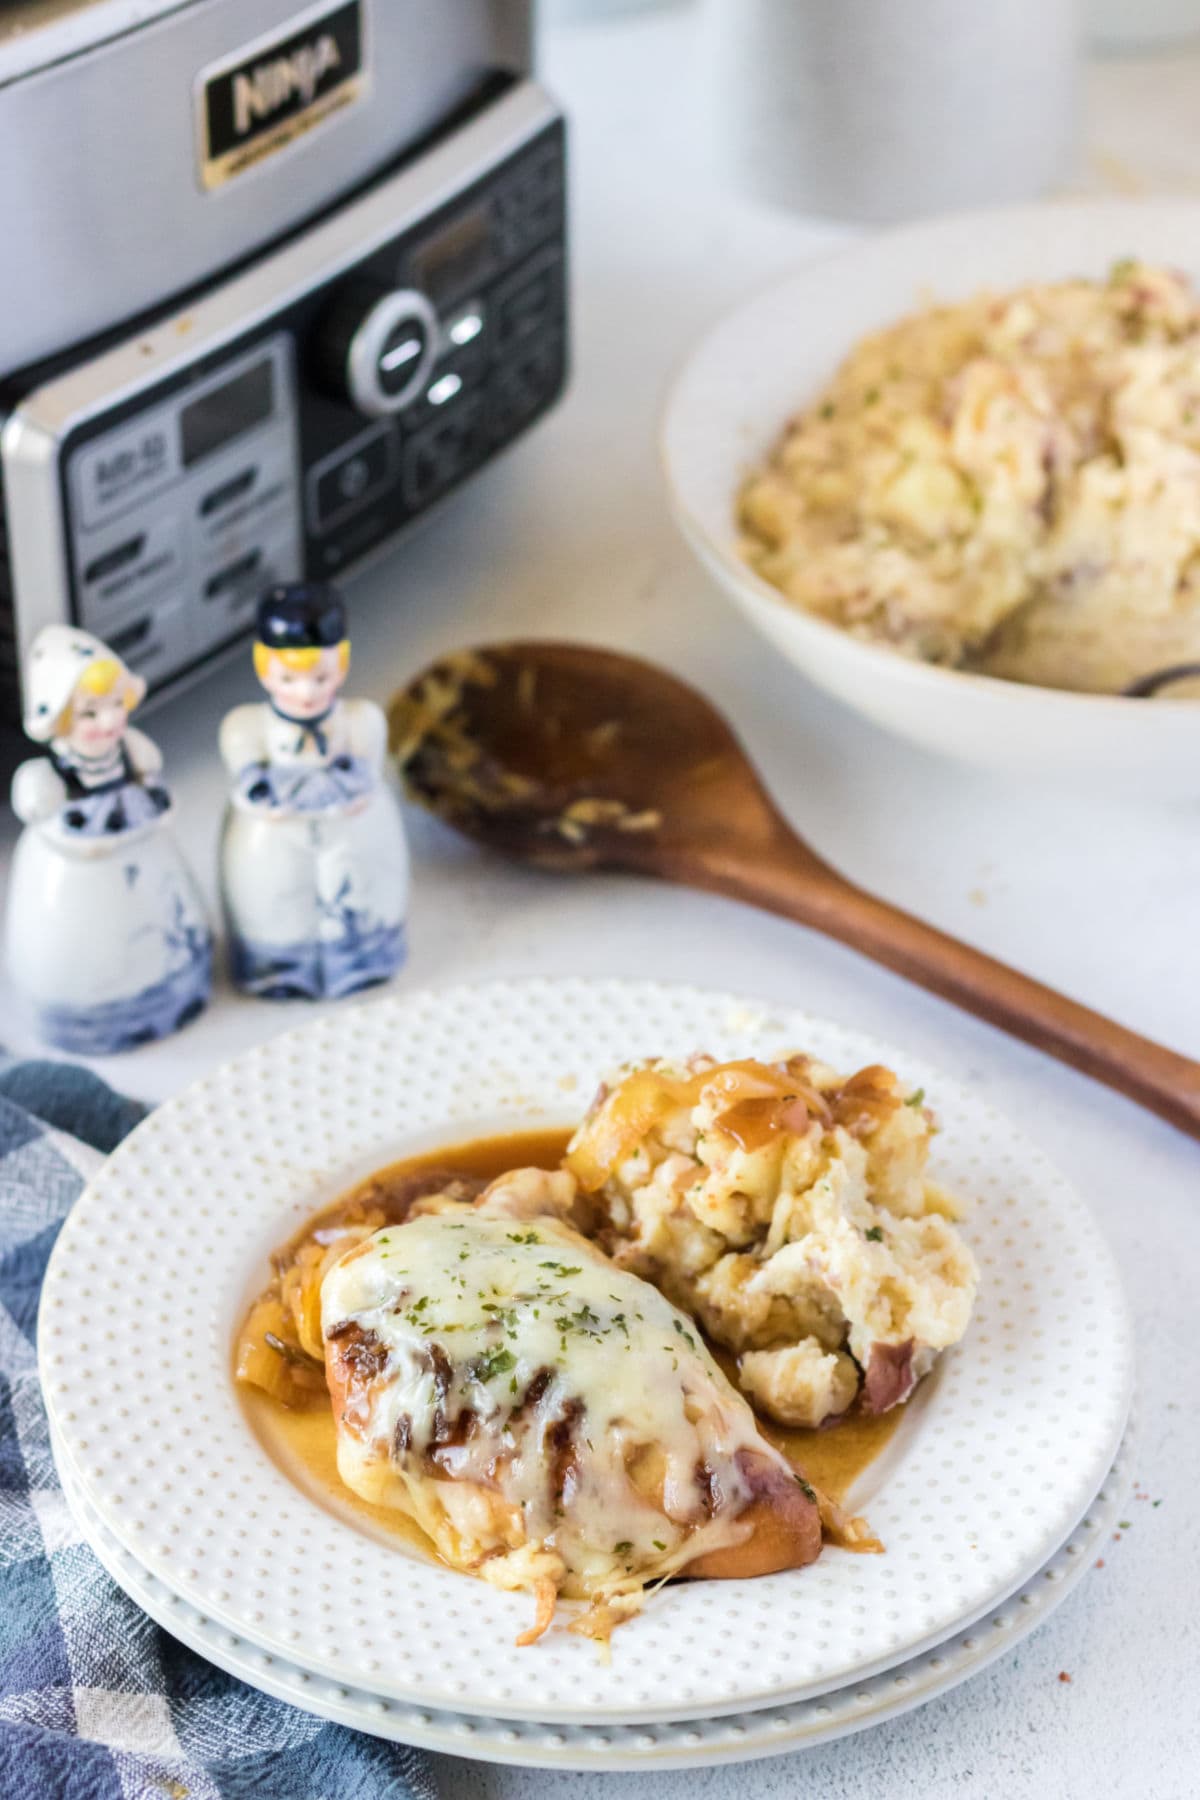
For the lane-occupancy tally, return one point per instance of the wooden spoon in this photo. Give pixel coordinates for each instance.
(577, 758)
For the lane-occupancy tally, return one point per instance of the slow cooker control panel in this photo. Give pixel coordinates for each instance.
(316, 428)
(183, 510)
(434, 355)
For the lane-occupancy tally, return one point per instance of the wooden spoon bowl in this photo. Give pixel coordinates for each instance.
(577, 758)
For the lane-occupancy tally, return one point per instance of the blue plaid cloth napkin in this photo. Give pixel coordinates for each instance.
(96, 1703)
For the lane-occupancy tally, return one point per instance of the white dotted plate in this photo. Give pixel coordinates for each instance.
(157, 1261)
(665, 1744)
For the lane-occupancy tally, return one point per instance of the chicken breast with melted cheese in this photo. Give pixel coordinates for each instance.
(788, 1208)
(552, 1422)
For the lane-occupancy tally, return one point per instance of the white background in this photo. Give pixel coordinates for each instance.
(1100, 897)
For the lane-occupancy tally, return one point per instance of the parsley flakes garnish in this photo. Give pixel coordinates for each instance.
(875, 1234)
(499, 1362)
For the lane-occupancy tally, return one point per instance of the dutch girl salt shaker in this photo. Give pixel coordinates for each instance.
(107, 933)
(314, 866)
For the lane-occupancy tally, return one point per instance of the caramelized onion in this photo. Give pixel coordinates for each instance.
(644, 1099)
(626, 1117)
(547, 1599)
(866, 1099)
(798, 1071)
(753, 1123)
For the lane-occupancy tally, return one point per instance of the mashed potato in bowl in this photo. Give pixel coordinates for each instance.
(1009, 485)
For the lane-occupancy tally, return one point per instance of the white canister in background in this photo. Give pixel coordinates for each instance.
(881, 109)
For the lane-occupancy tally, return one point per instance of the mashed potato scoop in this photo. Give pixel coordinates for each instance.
(790, 1210)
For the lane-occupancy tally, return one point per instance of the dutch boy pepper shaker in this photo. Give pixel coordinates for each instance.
(314, 865)
(107, 933)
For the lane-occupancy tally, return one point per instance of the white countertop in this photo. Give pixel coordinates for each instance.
(568, 534)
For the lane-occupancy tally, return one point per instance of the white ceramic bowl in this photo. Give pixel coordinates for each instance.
(728, 406)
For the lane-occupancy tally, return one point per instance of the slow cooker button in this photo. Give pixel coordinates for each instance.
(375, 346)
(353, 479)
(400, 354)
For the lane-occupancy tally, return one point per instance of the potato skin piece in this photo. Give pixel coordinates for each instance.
(890, 1376)
(784, 1521)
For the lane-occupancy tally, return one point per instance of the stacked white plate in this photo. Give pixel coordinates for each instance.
(991, 1497)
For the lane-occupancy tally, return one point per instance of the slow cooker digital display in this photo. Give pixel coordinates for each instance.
(223, 413)
(455, 257)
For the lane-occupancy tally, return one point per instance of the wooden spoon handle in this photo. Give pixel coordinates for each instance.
(796, 884)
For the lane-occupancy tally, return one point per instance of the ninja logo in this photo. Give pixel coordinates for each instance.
(261, 91)
(278, 89)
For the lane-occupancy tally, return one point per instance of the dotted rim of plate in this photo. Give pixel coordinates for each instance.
(665, 1744)
(1014, 1436)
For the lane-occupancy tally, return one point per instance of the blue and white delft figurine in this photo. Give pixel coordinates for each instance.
(108, 938)
(314, 865)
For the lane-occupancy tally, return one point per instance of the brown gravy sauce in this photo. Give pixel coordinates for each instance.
(304, 1444)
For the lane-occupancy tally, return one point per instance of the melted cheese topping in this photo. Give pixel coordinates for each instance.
(543, 1415)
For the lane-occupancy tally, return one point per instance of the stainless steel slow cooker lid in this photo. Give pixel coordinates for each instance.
(36, 33)
(103, 208)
